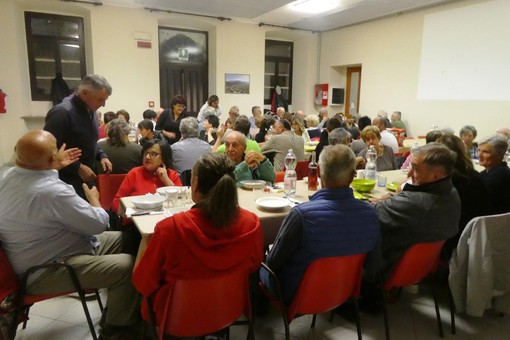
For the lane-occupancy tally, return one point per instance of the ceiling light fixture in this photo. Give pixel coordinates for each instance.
(314, 6)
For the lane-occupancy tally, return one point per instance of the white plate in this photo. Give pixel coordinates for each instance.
(148, 201)
(253, 184)
(163, 190)
(272, 203)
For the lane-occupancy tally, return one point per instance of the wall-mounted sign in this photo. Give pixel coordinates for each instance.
(183, 54)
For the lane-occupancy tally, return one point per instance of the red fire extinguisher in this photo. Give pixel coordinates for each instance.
(2, 101)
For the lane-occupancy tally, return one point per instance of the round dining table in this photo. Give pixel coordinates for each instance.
(270, 220)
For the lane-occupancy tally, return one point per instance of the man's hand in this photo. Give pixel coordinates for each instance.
(107, 165)
(253, 159)
(92, 195)
(65, 157)
(360, 162)
(375, 200)
(169, 135)
(221, 132)
(86, 174)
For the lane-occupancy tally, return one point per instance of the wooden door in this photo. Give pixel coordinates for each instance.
(353, 87)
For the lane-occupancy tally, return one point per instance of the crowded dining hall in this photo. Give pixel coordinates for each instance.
(278, 169)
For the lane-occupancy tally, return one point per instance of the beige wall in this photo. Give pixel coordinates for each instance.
(389, 51)
(133, 73)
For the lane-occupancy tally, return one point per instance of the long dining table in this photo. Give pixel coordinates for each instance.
(270, 220)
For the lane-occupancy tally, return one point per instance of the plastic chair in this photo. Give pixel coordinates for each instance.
(417, 263)
(399, 134)
(203, 306)
(108, 185)
(279, 176)
(327, 283)
(302, 169)
(23, 301)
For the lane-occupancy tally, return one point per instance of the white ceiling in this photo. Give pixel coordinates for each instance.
(277, 12)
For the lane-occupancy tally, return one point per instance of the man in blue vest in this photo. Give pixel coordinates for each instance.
(332, 223)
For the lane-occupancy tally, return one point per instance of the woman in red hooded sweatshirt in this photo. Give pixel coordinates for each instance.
(215, 237)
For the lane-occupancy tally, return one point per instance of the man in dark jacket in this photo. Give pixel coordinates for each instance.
(332, 223)
(428, 210)
(74, 122)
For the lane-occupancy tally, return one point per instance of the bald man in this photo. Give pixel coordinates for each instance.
(249, 166)
(42, 220)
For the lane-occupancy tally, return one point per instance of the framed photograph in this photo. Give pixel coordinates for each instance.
(237, 83)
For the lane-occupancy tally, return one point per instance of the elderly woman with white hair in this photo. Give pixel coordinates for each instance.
(496, 175)
(189, 149)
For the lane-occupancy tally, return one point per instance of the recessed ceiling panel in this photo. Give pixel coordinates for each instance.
(227, 8)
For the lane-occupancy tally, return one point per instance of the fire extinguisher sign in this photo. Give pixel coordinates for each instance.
(2, 101)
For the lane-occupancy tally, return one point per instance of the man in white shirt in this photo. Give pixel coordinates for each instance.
(387, 138)
(42, 220)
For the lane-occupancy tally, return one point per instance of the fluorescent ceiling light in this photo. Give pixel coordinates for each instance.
(315, 6)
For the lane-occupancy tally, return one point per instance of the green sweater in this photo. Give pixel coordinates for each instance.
(264, 172)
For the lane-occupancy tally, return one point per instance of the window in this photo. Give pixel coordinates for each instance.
(278, 69)
(55, 45)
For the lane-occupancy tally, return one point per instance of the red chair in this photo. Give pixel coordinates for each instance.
(417, 263)
(336, 278)
(280, 176)
(22, 301)
(108, 185)
(203, 306)
(399, 135)
(302, 169)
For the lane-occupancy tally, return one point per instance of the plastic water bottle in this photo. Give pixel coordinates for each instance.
(289, 182)
(371, 166)
(312, 174)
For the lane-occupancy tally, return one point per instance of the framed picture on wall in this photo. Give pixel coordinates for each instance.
(237, 83)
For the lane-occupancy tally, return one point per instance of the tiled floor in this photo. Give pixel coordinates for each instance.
(411, 317)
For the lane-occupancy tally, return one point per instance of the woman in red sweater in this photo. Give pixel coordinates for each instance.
(215, 237)
(156, 172)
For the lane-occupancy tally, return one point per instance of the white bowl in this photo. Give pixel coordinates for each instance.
(171, 189)
(148, 201)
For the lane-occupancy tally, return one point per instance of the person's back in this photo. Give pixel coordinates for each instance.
(189, 148)
(197, 244)
(282, 142)
(332, 223)
(123, 154)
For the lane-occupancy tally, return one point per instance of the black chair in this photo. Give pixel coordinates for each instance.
(186, 177)
(22, 301)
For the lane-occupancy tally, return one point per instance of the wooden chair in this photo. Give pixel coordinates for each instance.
(23, 301)
(327, 283)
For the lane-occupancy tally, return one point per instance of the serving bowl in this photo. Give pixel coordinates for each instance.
(148, 201)
(363, 185)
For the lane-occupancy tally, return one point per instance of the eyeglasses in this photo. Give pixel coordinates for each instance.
(151, 154)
